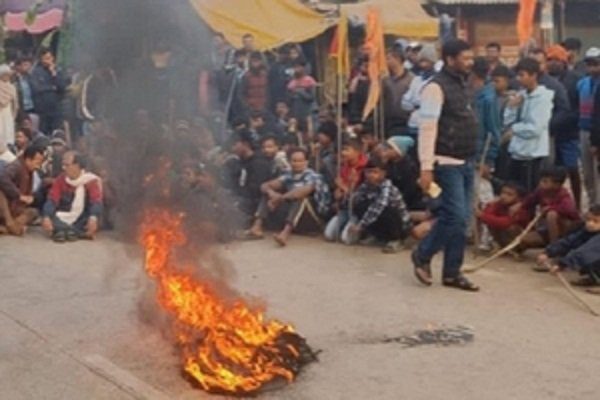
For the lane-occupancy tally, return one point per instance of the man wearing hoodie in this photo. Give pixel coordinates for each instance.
(528, 115)
(561, 107)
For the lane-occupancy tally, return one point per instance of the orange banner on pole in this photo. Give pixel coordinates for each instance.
(339, 49)
(525, 20)
(375, 47)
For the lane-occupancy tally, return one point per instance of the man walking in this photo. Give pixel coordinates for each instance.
(447, 144)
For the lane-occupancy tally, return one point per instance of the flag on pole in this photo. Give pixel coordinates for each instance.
(375, 47)
(525, 20)
(339, 49)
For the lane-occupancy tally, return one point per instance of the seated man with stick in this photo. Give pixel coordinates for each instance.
(298, 190)
(579, 251)
(74, 204)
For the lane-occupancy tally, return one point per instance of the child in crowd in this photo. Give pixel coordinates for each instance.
(350, 177)
(557, 204)
(579, 251)
(379, 209)
(325, 159)
(503, 224)
(368, 139)
(271, 150)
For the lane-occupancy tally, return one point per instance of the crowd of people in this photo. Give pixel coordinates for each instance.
(468, 148)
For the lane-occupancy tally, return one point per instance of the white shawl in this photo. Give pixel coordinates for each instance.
(78, 205)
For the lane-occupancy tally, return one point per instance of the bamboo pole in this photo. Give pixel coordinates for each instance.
(575, 295)
(512, 245)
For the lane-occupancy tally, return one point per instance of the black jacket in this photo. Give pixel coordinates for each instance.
(561, 113)
(48, 90)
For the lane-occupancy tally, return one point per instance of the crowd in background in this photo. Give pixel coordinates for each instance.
(253, 134)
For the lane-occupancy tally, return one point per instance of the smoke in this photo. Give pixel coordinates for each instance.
(146, 56)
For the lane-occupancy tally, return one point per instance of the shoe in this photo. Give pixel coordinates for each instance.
(71, 236)
(59, 237)
(368, 241)
(392, 247)
(422, 270)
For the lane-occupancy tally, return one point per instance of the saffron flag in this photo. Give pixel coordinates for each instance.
(339, 49)
(375, 47)
(525, 20)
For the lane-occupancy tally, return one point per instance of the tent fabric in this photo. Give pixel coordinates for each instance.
(272, 22)
(17, 22)
(19, 6)
(404, 18)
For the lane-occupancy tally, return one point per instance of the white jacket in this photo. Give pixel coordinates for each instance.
(530, 124)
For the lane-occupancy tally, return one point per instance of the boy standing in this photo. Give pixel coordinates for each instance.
(528, 114)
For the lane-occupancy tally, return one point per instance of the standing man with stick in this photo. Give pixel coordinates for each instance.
(447, 145)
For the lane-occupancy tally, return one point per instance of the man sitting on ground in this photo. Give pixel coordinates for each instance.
(74, 203)
(380, 209)
(298, 190)
(16, 198)
(579, 251)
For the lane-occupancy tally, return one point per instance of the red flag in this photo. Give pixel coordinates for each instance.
(525, 20)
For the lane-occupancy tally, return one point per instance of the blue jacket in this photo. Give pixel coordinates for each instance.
(530, 125)
(490, 123)
(48, 90)
(579, 250)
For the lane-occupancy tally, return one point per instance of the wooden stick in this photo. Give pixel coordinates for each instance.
(516, 241)
(575, 295)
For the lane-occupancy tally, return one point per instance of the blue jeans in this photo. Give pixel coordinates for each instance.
(449, 233)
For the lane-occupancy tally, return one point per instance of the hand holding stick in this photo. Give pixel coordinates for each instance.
(511, 246)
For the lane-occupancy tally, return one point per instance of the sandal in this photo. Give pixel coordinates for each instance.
(422, 270)
(460, 282)
(540, 268)
(249, 235)
(585, 281)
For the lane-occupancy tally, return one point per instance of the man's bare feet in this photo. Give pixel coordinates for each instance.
(282, 237)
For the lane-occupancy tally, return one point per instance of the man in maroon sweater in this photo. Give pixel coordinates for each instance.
(254, 87)
(16, 181)
(560, 213)
(74, 203)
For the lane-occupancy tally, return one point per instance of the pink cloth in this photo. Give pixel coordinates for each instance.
(46, 21)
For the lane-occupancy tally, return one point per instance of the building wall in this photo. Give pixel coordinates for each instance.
(482, 24)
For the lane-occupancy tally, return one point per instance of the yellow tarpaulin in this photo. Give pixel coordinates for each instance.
(272, 22)
(404, 18)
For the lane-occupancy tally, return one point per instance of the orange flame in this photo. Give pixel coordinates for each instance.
(225, 347)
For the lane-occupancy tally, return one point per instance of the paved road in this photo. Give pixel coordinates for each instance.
(75, 326)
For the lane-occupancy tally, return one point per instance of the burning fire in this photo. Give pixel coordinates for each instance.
(227, 347)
